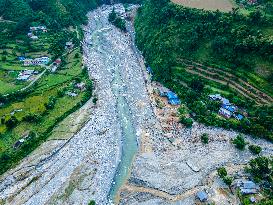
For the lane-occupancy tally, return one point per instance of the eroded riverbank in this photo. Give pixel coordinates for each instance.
(82, 167)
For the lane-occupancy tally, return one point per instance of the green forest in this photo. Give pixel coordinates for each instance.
(52, 13)
(197, 53)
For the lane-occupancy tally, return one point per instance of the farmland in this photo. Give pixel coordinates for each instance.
(39, 111)
(222, 5)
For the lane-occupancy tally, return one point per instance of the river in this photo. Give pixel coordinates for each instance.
(95, 162)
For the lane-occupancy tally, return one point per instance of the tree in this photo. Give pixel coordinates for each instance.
(197, 85)
(51, 103)
(205, 138)
(228, 180)
(4, 58)
(222, 172)
(255, 149)
(12, 122)
(239, 142)
(112, 16)
(261, 168)
(186, 121)
(77, 55)
(92, 202)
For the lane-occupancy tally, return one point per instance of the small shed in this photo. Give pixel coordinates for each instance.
(202, 196)
(149, 70)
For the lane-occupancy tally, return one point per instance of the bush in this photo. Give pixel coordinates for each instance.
(92, 202)
(94, 100)
(239, 142)
(12, 122)
(186, 121)
(32, 117)
(255, 149)
(205, 138)
(4, 58)
(51, 103)
(228, 180)
(222, 172)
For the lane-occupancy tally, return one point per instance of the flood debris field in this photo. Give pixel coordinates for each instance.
(74, 170)
(170, 166)
(185, 165)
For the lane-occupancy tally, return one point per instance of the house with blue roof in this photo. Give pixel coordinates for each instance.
(230, 108)
(149, 70)
(202, 196)
(239, 117)
(21, 58)
(172, 98)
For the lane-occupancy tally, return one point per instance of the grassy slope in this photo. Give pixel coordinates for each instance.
(35, 103)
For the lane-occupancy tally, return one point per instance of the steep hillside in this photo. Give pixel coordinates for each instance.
(197, 53)
(53, 13)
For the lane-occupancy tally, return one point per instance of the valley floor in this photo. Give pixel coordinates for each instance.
(171, 163)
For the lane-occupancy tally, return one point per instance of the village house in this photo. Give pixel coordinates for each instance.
(173, 98)
(246, 186)
(18, 143)
(37, 61)
(34, 37)
(227, 110)
(149, 70)
(163, 91)
(29, 34)
(38, 28)
(25, 75)
(202, 196)
(72, 94)
(80, 86)
(69, 45)
(21, 58)
(225, 113)
(57, 62)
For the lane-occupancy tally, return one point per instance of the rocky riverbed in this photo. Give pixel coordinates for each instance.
(76, 169)
(170, 164)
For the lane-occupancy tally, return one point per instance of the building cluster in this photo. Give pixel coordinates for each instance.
(227, 109)
(244, 186)
(79, 88)
(34, 30)
(26, 74)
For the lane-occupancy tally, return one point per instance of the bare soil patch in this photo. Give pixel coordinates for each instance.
(222, 5)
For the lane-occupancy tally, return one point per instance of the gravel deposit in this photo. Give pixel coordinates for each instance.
(79, 169)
